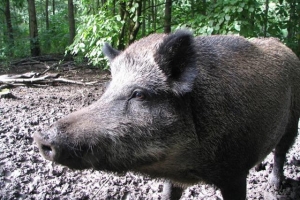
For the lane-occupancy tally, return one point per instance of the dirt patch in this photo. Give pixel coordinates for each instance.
(24, 174)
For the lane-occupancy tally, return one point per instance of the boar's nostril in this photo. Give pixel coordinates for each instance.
(46, 149)
(49, 153)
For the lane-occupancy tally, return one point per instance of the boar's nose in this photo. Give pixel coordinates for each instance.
(47, 146)
(57, 147)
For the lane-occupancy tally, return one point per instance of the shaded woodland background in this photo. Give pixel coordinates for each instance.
(31, 28)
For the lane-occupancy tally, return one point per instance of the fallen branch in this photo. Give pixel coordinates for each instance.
(16, 76)
(63, 80)
(34, 79)
(45, 80)
(10, 85)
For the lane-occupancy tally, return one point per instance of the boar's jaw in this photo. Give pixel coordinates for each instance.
(175, 171)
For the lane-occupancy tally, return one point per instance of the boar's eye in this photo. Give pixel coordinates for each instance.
(138, 95)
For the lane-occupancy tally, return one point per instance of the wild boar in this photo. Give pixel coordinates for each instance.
(187, 109)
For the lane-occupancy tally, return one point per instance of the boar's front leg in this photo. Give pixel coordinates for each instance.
(234, 189)
(172, 191)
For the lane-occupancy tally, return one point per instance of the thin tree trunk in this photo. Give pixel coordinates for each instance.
(137, 23)
(33, 30)
(153, 14)
(291, 23)
(114, 7)
(97, 6)
(122, 33)
(192, 8)
(53, 7)
(125, 31)
(149, 16)
(47, 42)
(10, 32)
(47, 14)
(144, 18)
(204, 7)
(167, 22)
(2, 31)
(71, 21)
(298, 50)
(266, 18)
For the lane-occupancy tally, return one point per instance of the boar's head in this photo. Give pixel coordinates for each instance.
(143, 121)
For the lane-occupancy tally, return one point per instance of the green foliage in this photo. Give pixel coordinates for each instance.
(20, 46)
(113, 21)
(244, 17)
(225, 17)
(56, 39)
(93, 31)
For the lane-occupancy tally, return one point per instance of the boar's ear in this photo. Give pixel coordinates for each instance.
(110, 52)
(176, 57)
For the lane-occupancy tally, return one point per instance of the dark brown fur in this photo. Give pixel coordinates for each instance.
(189, 110)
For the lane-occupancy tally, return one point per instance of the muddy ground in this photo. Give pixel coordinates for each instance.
(24, 174)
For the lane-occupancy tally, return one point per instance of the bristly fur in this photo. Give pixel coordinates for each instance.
(211, 108)
(176, 57)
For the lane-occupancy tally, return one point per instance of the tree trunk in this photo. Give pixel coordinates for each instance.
(266, 18)
(53, 7)
(33, 30)
(298, 50)
(204, 7)
(153, 14)
(10, 32)
(144, 18)
(114, 7)
(47, 42)
(126, 28)
(123, 17)
(71, 21)
(291, 22)
(47, 14)
(193, 8)
(149, 16)
(167, 22)
(137, 23)
(97, 6)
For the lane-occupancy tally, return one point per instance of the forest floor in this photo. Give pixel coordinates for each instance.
(25, 174)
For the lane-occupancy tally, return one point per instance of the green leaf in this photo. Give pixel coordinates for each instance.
(136, 5)
(227, 17)
(81, 45)
(132, 9)
(240, 9)
(209, 30)
(226, 9)
(237, 27)
(221, 20)
(118, 18)
(94, 29)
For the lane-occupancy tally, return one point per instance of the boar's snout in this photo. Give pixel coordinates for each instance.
(47, 148)
(55, 148)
